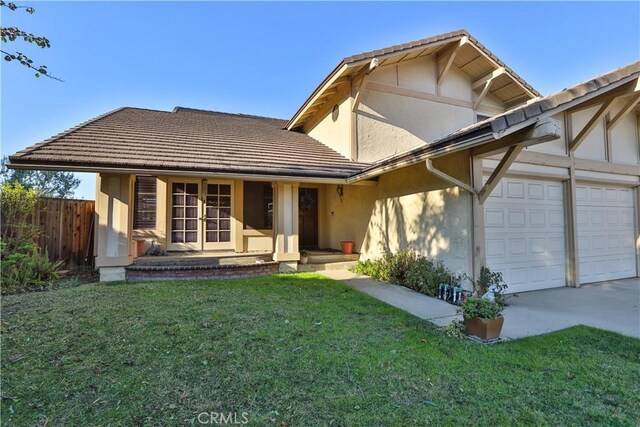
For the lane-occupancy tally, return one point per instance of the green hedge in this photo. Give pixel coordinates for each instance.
(409, 269)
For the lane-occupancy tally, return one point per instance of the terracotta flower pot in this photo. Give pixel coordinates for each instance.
(347, 246)
(485, 329)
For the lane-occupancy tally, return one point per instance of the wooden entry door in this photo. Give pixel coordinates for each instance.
(308, 217)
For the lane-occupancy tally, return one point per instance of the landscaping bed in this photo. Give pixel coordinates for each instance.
(291, 350)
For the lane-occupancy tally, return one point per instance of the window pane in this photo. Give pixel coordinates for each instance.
(144, 214)
(225, 212)
(212, 189)
(225, 189)
(258, 205)
(178, 212)
(225, 201)
(177, 237)
(225, 236)
(178, 200)
(191, 237)
(192, 189)
(212, 236)
(212, 224)
(191, 213)
(177, 224)
(192, 200)
(191, 224)
(178, 187)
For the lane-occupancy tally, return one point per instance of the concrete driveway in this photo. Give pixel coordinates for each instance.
(613, 306)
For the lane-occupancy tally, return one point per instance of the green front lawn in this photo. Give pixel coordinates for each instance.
(291, 350)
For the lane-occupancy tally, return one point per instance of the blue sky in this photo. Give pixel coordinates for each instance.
(266, 58)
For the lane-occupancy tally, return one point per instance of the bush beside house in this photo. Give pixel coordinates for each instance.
(409, 269)
(24, 267)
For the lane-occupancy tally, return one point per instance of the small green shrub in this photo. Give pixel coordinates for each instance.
(24, 271)
(455, 329)
(409, 269)
(481, 307)
(487, 279)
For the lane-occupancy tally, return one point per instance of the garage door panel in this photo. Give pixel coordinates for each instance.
(605, 233)
(525, 233)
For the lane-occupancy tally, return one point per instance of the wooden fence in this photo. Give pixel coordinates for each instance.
(66, 227)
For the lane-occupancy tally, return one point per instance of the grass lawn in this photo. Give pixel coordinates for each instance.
(291, 350)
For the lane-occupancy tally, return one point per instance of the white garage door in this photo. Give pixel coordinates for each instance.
(605, 233)
(524, 231)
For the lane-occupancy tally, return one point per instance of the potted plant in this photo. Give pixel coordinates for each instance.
(304, 256)
(482, 318)
(347, 246)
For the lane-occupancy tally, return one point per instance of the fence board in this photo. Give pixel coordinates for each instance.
(65, 226)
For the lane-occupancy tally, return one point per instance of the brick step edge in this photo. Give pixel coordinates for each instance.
(187, 267)
(238, 272)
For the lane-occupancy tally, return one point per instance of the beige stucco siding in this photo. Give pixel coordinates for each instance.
(407, 208)
(333, 131)
(389, 124)
(593, 146)
(625, 147)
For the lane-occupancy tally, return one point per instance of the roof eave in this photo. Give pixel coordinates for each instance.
(328, 178)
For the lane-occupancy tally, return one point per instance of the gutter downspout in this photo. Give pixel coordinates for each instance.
(449, 178)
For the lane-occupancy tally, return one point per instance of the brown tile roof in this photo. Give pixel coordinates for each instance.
(189, 140)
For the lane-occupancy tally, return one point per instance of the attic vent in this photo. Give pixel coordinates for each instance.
(335, 112)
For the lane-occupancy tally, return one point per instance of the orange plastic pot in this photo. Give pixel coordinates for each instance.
(347, 246)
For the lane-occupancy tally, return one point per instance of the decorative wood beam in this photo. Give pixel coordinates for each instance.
(401, 91)
(499, 172)
(444, 62)
(356, 102)
(591, 124)
(630, 105)
(488, 77)
(487, 81)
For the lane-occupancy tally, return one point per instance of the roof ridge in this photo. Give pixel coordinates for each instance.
(51, 139)
(178, 109)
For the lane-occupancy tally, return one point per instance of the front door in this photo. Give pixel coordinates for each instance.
(201, 215)
(308, 217)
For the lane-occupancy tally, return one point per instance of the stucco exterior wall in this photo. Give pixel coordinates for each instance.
(619, 145)
(389, 124)
(593, 146)
(334, 130)
(407, 208)
(625, 146)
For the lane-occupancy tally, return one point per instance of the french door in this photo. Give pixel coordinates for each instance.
(201, 215)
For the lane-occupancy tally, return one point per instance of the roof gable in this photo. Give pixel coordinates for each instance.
(473, 58)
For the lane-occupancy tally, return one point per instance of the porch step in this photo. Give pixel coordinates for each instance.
(344, 265)
(200, 269)
(331, 257)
